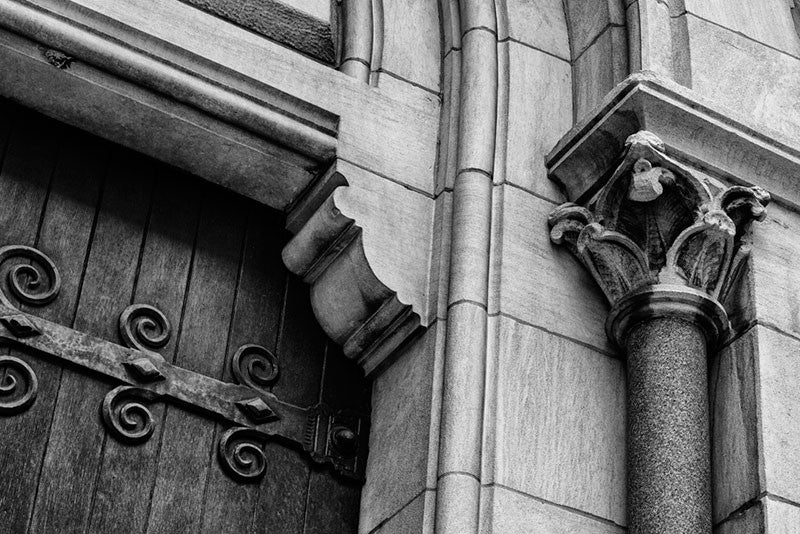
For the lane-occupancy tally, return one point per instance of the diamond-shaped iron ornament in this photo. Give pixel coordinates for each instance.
(20, 326)
(144, 370)
(257, 410)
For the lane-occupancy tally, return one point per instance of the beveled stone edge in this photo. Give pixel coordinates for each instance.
(666, 300)
(632, 105)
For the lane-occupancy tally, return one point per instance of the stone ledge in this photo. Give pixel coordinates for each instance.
(164, 102)
(695, 131)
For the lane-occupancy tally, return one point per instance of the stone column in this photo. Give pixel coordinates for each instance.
(666, 332)
(662, 246)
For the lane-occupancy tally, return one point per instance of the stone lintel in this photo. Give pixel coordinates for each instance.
(156, 98)
(695, 131)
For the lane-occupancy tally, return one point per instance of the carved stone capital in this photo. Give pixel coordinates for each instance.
(658, 240)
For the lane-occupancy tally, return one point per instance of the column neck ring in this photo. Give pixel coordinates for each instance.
(666, 300)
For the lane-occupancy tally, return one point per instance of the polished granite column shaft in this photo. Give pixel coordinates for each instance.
(669, 458)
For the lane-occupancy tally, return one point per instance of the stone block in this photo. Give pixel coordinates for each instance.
(561, 415)
(776, 252)
(746, 76)
(735, 426)
(542, 284)
(410, 519)
(782, 517)
(511, 512)
(399, 438)
(588, 19)
(412, 41)
(539, 113)
(748, 521)
(599, 68)
(541, 25)
(779, 369)
(767, 21)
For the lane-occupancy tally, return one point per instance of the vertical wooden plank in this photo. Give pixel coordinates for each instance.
(187, 442)
(67, 219)
(277, 503)
(122, 496)
(25, 177)
(71, 463)
(301, 348)
(9, 114)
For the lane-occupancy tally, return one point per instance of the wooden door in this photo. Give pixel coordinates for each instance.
(126, 234)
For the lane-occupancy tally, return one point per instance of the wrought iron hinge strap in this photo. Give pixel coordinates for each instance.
(335, 438)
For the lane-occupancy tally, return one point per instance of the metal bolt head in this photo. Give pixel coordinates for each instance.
(256, 410)
(344, 440)
(144, 370)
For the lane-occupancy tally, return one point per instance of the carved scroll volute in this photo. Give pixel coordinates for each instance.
(615, 262)
(32, 279)
(703, 254)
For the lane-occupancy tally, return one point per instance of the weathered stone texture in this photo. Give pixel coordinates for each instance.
(411, 42)
(402, 407)
(511, 512)
(531, 267)
(587, 20)
(766, 21)
(541, 25)
(735, 426)
(599, 68)
(747, 521)
(409, 519)
(746, 76)
(776, 278)
(782, 517)
(539, 112)
(779, 368)
(561, 414)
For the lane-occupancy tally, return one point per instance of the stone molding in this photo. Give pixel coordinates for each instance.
(655, 223)
(695, 132)
(354, 307)
(83, 68)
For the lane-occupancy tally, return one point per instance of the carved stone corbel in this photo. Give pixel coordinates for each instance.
(353, 306)
(662, 246)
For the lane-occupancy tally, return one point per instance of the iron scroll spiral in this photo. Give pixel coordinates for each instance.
(254, 366)
(33, 280)
(241, 454)
(144, 327)
(126, 415)
(18, 385)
